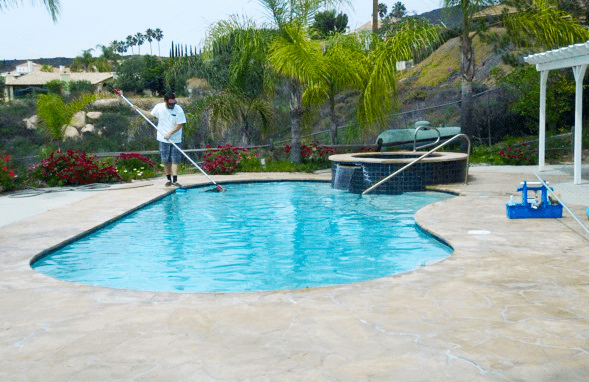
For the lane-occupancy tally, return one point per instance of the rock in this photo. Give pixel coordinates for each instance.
(71, 132)
(31, 122)
(106, 102)
(79, 120)
(87, 129)
(93, 114)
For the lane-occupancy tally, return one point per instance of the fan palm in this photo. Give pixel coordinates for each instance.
(149, 37)
(158, 35)
(131, 43)
(52, 6)
(139, 39)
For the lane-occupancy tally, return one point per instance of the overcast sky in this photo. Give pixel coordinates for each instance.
(28, 32)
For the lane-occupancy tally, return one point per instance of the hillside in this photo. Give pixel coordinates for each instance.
(10, 65)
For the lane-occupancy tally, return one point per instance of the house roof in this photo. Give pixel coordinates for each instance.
(41, 78)
(568, 56)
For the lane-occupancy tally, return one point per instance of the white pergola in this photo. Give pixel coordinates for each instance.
(575, 57)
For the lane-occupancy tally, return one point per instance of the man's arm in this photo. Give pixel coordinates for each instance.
(144, 112)
(174, 131)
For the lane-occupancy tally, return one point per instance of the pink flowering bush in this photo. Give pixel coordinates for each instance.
(73, 168)
(7, 174)
(518, 155)
(315, 152)
(134, 166)
(225, 160)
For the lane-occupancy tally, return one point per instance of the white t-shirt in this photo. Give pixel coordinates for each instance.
(167, 120)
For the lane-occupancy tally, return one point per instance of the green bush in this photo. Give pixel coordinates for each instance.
(81, 87)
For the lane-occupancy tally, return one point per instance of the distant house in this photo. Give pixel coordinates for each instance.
(35, 81)
(28, 67)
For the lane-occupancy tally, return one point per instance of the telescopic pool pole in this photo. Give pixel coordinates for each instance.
(218, 188)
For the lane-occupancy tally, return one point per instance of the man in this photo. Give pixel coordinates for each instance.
(170, 121)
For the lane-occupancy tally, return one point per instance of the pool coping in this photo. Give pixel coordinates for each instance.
(508, 305)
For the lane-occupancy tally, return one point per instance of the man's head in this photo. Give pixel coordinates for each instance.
(170, 99)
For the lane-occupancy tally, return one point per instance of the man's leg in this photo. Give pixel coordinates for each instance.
(166, 161)
(176, 158)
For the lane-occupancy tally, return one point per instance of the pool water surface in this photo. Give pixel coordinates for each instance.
(254, 237)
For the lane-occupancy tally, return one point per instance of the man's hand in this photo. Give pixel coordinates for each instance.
(168, 136)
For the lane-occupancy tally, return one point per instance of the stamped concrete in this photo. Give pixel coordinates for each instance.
(510, 304)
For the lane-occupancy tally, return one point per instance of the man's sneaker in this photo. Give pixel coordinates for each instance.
(176, 184)
(168, 184)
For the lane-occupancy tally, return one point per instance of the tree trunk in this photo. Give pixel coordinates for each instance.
(468, 71)
(296, 111)
(466, 112)
(374, 16)
(333, 120)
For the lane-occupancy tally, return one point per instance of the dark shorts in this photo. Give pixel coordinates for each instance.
(169, 153)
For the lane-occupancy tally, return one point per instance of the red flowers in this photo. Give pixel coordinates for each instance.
(7, 175)
(315, 151)
(224, 159)
(73, 168)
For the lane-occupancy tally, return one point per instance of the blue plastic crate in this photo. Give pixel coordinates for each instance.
(521, 211)
(527, 210)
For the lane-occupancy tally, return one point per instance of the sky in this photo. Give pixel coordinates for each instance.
(28, 31)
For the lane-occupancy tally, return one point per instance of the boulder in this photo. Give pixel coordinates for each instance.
(88, 129)
(71, 132)
(79, 120)
(31, 122)
(106, 102)
(93, 114)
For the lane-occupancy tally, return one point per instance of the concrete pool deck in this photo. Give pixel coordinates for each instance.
(510, 304)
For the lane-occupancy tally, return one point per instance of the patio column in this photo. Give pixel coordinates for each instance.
(542, 127)
(579, 72)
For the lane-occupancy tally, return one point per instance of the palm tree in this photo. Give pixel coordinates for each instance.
(536, 21)
(149, 36)
(86, 59)
(343, 57)
(139, 39)
(52, 6)
(131, 43)
(158, 35)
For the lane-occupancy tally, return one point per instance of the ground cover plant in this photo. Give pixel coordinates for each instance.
(131, 166)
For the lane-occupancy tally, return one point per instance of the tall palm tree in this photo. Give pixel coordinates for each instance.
(52, 6)
(139, 39)
(294, 56)
(343, 57)
(158, 35)
(131, 43)
(149, 37)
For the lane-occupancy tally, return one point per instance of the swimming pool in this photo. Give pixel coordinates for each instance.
(254, 237)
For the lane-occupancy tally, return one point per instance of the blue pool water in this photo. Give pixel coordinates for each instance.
(254, 237)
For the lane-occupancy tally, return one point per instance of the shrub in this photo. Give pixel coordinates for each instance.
(225, 159)
(134, 166)
(6, 174)
(315, 152)
(73, 168)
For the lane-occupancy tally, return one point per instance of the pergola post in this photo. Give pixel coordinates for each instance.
(579, 72)
(542, 127)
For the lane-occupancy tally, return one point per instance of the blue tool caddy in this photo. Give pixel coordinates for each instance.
(530, 208)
